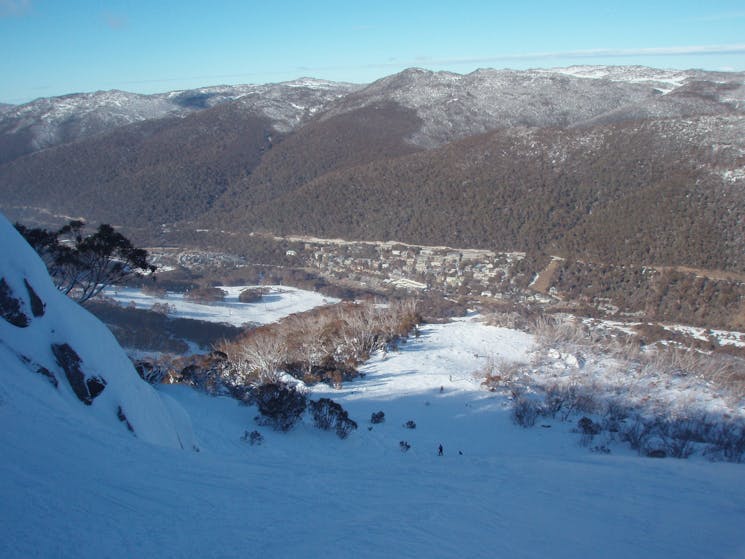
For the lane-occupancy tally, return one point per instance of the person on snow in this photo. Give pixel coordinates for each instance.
(439, 450)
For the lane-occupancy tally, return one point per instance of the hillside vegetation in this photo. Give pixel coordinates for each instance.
(633, 167)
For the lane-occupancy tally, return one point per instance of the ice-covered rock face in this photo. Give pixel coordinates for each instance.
(57, 357)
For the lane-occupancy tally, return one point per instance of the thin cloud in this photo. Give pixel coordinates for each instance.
(608, 53)
(12, 8)
(396, 64)
(529, 56)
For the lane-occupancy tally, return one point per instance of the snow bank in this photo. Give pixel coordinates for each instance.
(52, 320)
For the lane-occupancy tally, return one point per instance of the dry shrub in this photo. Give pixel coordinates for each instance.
(253, 294)
(255, 359)
(504, 374)
(205, 295)
(504, 319)
(649, 333)
(324, 344)
(517, 316)
(560, 331)
(724, 371)
(525, 412)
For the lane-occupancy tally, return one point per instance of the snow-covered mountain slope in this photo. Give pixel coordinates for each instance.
(450, 105)
(666, 80)
(498, 490)
(454, 106)
(47, 122)
(59, 365)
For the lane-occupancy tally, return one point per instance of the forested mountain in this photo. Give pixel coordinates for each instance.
(48, 122)
(617, 164)
(630, 192)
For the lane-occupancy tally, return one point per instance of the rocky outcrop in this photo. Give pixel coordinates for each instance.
(11, 306)
(37, 305)
(85, 388)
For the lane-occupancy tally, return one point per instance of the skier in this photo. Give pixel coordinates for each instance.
(439, 450)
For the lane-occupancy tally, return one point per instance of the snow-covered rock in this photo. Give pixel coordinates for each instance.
(58, 363)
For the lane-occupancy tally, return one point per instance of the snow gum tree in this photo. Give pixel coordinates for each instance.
(82, 266)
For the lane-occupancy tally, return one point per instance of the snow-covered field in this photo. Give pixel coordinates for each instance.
(278, 303)
(85, 491)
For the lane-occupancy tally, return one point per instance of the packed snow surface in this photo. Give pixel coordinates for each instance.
(75, 491)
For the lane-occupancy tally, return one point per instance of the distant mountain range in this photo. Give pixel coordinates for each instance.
(618, 164)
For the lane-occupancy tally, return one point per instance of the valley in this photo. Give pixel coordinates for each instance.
(490, 314)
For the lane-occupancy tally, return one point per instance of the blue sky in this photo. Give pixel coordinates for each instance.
(53, 47)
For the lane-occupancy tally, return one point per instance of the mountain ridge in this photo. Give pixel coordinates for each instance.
(53, 120)
(504, 159)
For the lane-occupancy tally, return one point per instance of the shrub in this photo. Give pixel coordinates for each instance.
(654, 447)
(254, 437)
(410, 424)
(500, 373)
(377, 417)
(404, 446)
(344, 426)
(151, 372)
(163, 308)
(525, 412)
(205, 295)
(328, 415)
(281, 406)
(571, 398)
(636, 434)
(615, 414)
(553, 400)
(252, 294)
(728, 443)
(678, 447)
(601, 449)
(587, 426)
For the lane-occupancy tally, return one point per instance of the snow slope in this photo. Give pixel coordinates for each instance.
(511, 493)
(126, 403)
